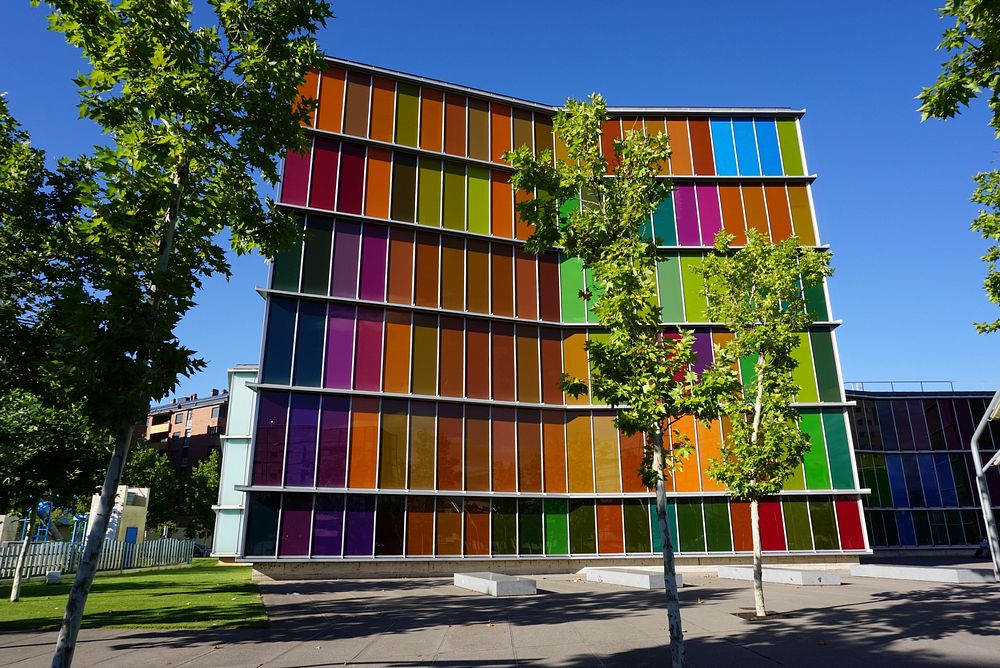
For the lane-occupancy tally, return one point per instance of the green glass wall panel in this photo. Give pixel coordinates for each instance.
(881, 479)
(479, 200)
(429, 192)
(574, 309)
(694, 297)
(404, 187)
(796, 481)
(646, 231)
(529, 519)
(407, 110)
(824, 525)
(817, 471)
(797, 525)
(826, 366)
(504, 526)
(664, 225)
(316, 258)
(668, 279)
(803, 373)
(285, 275)
(816, 306)
(595, 290)
(454, 195)
(788, 140)
(655, 524)
(747, 374)
(689, 521)
(392, 454)
(582, 530)
(719, 536)
(636, 525)
(556, 526)
(838, 450)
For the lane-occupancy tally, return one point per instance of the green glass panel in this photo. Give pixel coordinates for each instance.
(582, 531)
(668, 279)
(719, 536)
(692, 530)
(595, 291)
(694, 297)
(262, 524)
(671, 525)
(823, 524)
(803, 373)
(922, 527)
(636, 525)
(816, 302)
(961, 475)
(529, 522)
(882, 481)
(865, 475)
(797, 525)
(454, 195)
(797, 480)
(407, 109)
(479, 200)
(646, 231)
(788, 140)
(504, 526)
(664, 225)
(747, 374)
(404, 187)
(571, 282)
(556, 526)
(817, 471)
(826, 366)
(429, 192)
(285, 275)
(838, 449)
(316, 258)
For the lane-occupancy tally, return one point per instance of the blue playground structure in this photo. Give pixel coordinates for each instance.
(46, 529)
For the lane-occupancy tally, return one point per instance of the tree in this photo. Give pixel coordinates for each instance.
(756, 293)
(202, 492)
(973, 43)
(641, 370)
(147, 467)
(193, 115)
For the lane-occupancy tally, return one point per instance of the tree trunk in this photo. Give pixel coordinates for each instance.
(66, 645)
(669, 569)
(758, 561)
(15, 588)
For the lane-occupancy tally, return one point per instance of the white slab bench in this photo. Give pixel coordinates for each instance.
(630, 577)
(793, 576)
(923, 573)
(495, 584)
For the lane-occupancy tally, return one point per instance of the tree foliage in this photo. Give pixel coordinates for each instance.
(147, 467)
(201, 494)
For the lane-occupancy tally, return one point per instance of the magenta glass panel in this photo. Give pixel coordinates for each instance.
(346, 244)
(326, 154)
(269, 443)
(949, 424)
(328, 525)
(352, 178)
(703, 350)
(368, 356)
(918, 423)
(296, 520)
(300, 457)
(373, 252)
(687, 216)
(903, 433)
(359, 538)
(339, 347)
(333, 421)
(709, 213)
(295, 182)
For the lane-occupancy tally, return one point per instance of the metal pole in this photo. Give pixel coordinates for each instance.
(984, 494)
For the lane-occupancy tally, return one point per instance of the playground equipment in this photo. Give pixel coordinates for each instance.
(46, 529)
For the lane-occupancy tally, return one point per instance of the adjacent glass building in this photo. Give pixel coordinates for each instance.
(407, 405)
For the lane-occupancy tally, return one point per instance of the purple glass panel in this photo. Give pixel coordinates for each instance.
(333, 442)
(346, 242)
(352, 178)
(709, 213)
(296, 519)
(918, 423)
(328, 525)
(323, 193)
(339, 346)
(359, 540)
(373, 252)
(902, 425)
(295, 181)
(269, 443)
(966, 425)
(368, 356)
(687, 216)
(300, 459)
(703, 350)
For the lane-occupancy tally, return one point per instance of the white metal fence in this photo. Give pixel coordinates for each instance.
(115, 556)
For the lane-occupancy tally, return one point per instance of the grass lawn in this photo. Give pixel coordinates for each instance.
(203, 596)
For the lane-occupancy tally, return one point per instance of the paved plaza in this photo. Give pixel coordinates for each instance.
(570, 622)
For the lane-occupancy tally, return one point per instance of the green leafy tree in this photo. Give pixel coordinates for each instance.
(147, 467)
(973, 66)
(201, 494)
(641, 370)
(756, 293)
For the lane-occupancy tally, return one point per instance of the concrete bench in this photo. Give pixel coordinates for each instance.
(495, 584)
(793, 576)
(630, 577)
(923, 573)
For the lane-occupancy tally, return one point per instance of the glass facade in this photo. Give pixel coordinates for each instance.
(408, 398)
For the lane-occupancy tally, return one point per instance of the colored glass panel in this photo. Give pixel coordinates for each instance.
(772, 526)
(269, 445)
(339, 347)
(504, 526)
(582, 529)
(701, 146)
(723, 146)
(453, 273)
(606, 465)
(554, 455)
(351, 178)
(556, 526)
(686, 210)
(767, 145)
(477, 448)
(346, 257)
(709, 214)
(377, 186)
(579, 454)
(368, 354)
(543, 134)
(285, 269)
(454, 124)
(717, 530)
(308, 367)
(574, 308)
(803, 373)
(404, 187)
(328, 525)
(400, 289)
(479, 200)
(425, 357)
(849, 525)
(500, 130)
(359, 526)
(817, 472)
(477, 354)
(680, 147)
(449, 526)
(479, 129)
(425, 291)
(392, 451)
(477, 526)
(356, 105)
(551, 362)
(453, 363)
(323, 189)
(454, 195)
(262, 524)
(824, 526)
(389, 519)
(374, 246)
(529, 451)
(503, 279)
(709, 448)
(739, 514)
(333, 430)
(276, 366)
(732, 213)
(610, 529)
(826, 365)
(636, 525)
(449, 447)
(527, 364)
(664, 225)
(668, 279)
(501, 204)
(802, 221)
(431, 119)
(695, 304)
(383, 109)
(502, 339)
(788, 140)
(526, 285)
(407, 110)
(361, 471)
(420, 526)
(690, 525)
(756, 212)
(631, 460)
(420, 463)
(504, 458)
(331, 100)
(522, 128)
(777, 212)
(529, 521)
(797, 531)
(477, 276)
(746, 147)
(429, 191)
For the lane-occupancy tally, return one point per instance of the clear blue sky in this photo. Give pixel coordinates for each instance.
(892, 197)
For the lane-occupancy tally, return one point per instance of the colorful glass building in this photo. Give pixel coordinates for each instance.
(408, 404)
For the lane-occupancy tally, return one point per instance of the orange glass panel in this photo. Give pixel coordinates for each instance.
(377, 190)
(477, 527)
(631, 457)
(431, 119)
(527, 364)
(551, 346)
(548, 287)
(632, 123)
(392, 450)
(522, 230)
(554, 445)
(611, 130)
(383, 109)
(701, 146)
(331, 100)
(654, 127)
(449, 526)
(562, 153)
(400, 265)
(501, 205)
(579, 453)
(397, 351)
(364, 443)
(453, 359)
(529, 451)
(680, 147)
(742, 531)
(479, 129)
(449, 459)
(453, 273)
(309, 90)
(425, 354)
(477, 354)
(426, 292)
(543, 133)
(478, 276)
(709, 445)
(504, 451)
(522, 128)
(503, 361)
(777, 212)
(610, 530)
(688, 479)
(503, 279)
(802, 222)
(359, 90)
(753, 205)
(422, 445)
(499, 130)
(575, 363)
(454, 124)
(420, 526)
(527, 285)
(606, 469)
(477, 448)
(732, 213)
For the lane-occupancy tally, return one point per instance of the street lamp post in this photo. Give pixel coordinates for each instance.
(992, 413)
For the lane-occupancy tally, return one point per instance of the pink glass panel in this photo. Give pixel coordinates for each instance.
(373, 251)
(295, 181)
(368, 357)
(352, 178)
(326, 155)
(709, 213)
(339, 346)
(346, 243)
(687, 216)
(333, 423)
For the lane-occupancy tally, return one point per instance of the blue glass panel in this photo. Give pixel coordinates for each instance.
(904, 524)
(309, 344)
(746, 147)
(913, 488)
(722, 145)
(277, 365)
(897, 481)
(949, 495)
(671, 525)
(886, 425)
(932, 493)
(767, 142)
